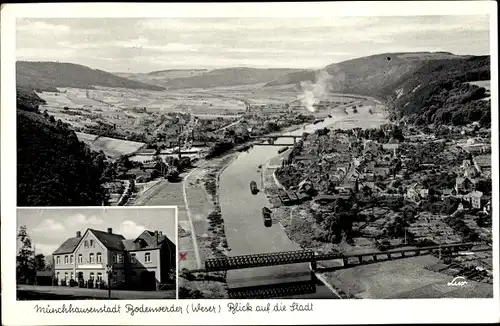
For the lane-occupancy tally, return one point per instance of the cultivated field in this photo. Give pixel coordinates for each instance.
(110, 146)
(405, 278)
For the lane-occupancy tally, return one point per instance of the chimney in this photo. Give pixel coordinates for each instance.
(110, 230)
(78, 234)
(156, 235)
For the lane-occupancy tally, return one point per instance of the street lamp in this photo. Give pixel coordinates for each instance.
(109, 272)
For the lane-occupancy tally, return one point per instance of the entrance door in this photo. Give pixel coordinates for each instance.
(148, 280)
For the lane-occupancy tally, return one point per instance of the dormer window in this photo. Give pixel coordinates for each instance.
(143, 243)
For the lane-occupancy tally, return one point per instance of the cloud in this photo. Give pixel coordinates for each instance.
(82, 220)
(49, 54)
(45, 248)
(49, 225)
(42, 28)
(130, 229)
(142, 45)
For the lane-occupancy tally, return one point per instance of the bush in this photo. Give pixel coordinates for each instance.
(219, 148)
(383, 245)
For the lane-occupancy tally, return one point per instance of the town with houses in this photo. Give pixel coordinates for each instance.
(390, 187)
(181, 139)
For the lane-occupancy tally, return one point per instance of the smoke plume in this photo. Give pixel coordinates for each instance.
(325, 83)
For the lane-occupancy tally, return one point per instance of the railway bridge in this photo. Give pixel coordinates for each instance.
(271, 139)
(309, 287)
(309, 256)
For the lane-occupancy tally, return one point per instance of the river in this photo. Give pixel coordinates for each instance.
(242, 211)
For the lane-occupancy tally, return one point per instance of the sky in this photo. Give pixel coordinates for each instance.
(144, 45)
(50, 227)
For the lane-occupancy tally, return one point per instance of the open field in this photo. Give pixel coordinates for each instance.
(110, 146)
(257, 93)
(482, 83)
(405, 278)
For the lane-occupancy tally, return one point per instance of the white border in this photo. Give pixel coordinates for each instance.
(325, 311)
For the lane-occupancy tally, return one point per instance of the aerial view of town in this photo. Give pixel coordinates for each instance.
(358, 174)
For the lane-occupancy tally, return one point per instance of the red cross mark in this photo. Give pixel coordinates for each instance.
(183, 255)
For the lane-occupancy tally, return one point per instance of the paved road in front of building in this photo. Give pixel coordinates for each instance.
(78, 293)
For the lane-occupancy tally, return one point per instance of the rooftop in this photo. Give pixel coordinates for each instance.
(113, 241)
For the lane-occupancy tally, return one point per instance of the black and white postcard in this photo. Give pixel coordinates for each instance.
(251, 162)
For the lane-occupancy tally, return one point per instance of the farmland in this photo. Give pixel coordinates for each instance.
(113, 148)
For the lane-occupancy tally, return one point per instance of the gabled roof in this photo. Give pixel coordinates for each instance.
(146, 240)
(111, 241)
(117, 242)
(474, 193)
(68, 246)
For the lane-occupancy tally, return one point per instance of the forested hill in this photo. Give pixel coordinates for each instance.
(53, 167)
(27, 100)
(47, 76)
(425, 87)
(439, 92)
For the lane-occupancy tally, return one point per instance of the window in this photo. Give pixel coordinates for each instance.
(66, 259)
(114, 258)
(133, 259)
(99, 257)
(57, 275)
(119, 258)
(115, 277)
(85, 244)
(92, 243)
(71, 259)
(71, 276)
(99, 277)
(58, 260)
(66, 276)
(91, 276)
(80, 259)
(91, 258)
(147, 257)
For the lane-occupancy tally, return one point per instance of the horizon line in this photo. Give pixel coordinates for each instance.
(254, 67)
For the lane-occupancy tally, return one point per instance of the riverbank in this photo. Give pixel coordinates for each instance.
(201, 189)
(297, 221)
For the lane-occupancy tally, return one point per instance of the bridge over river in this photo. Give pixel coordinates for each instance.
(308, 286)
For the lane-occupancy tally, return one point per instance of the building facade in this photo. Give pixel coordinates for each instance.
(140, 263)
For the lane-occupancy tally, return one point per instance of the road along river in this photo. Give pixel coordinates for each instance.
(242, 211)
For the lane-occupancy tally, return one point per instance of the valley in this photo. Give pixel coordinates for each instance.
(196, 138)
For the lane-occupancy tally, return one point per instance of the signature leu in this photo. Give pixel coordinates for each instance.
(458, 281)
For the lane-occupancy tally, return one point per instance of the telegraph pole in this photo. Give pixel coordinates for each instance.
(109, 271)
(34, 262)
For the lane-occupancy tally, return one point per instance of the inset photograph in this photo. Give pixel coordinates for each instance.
(96, 253)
